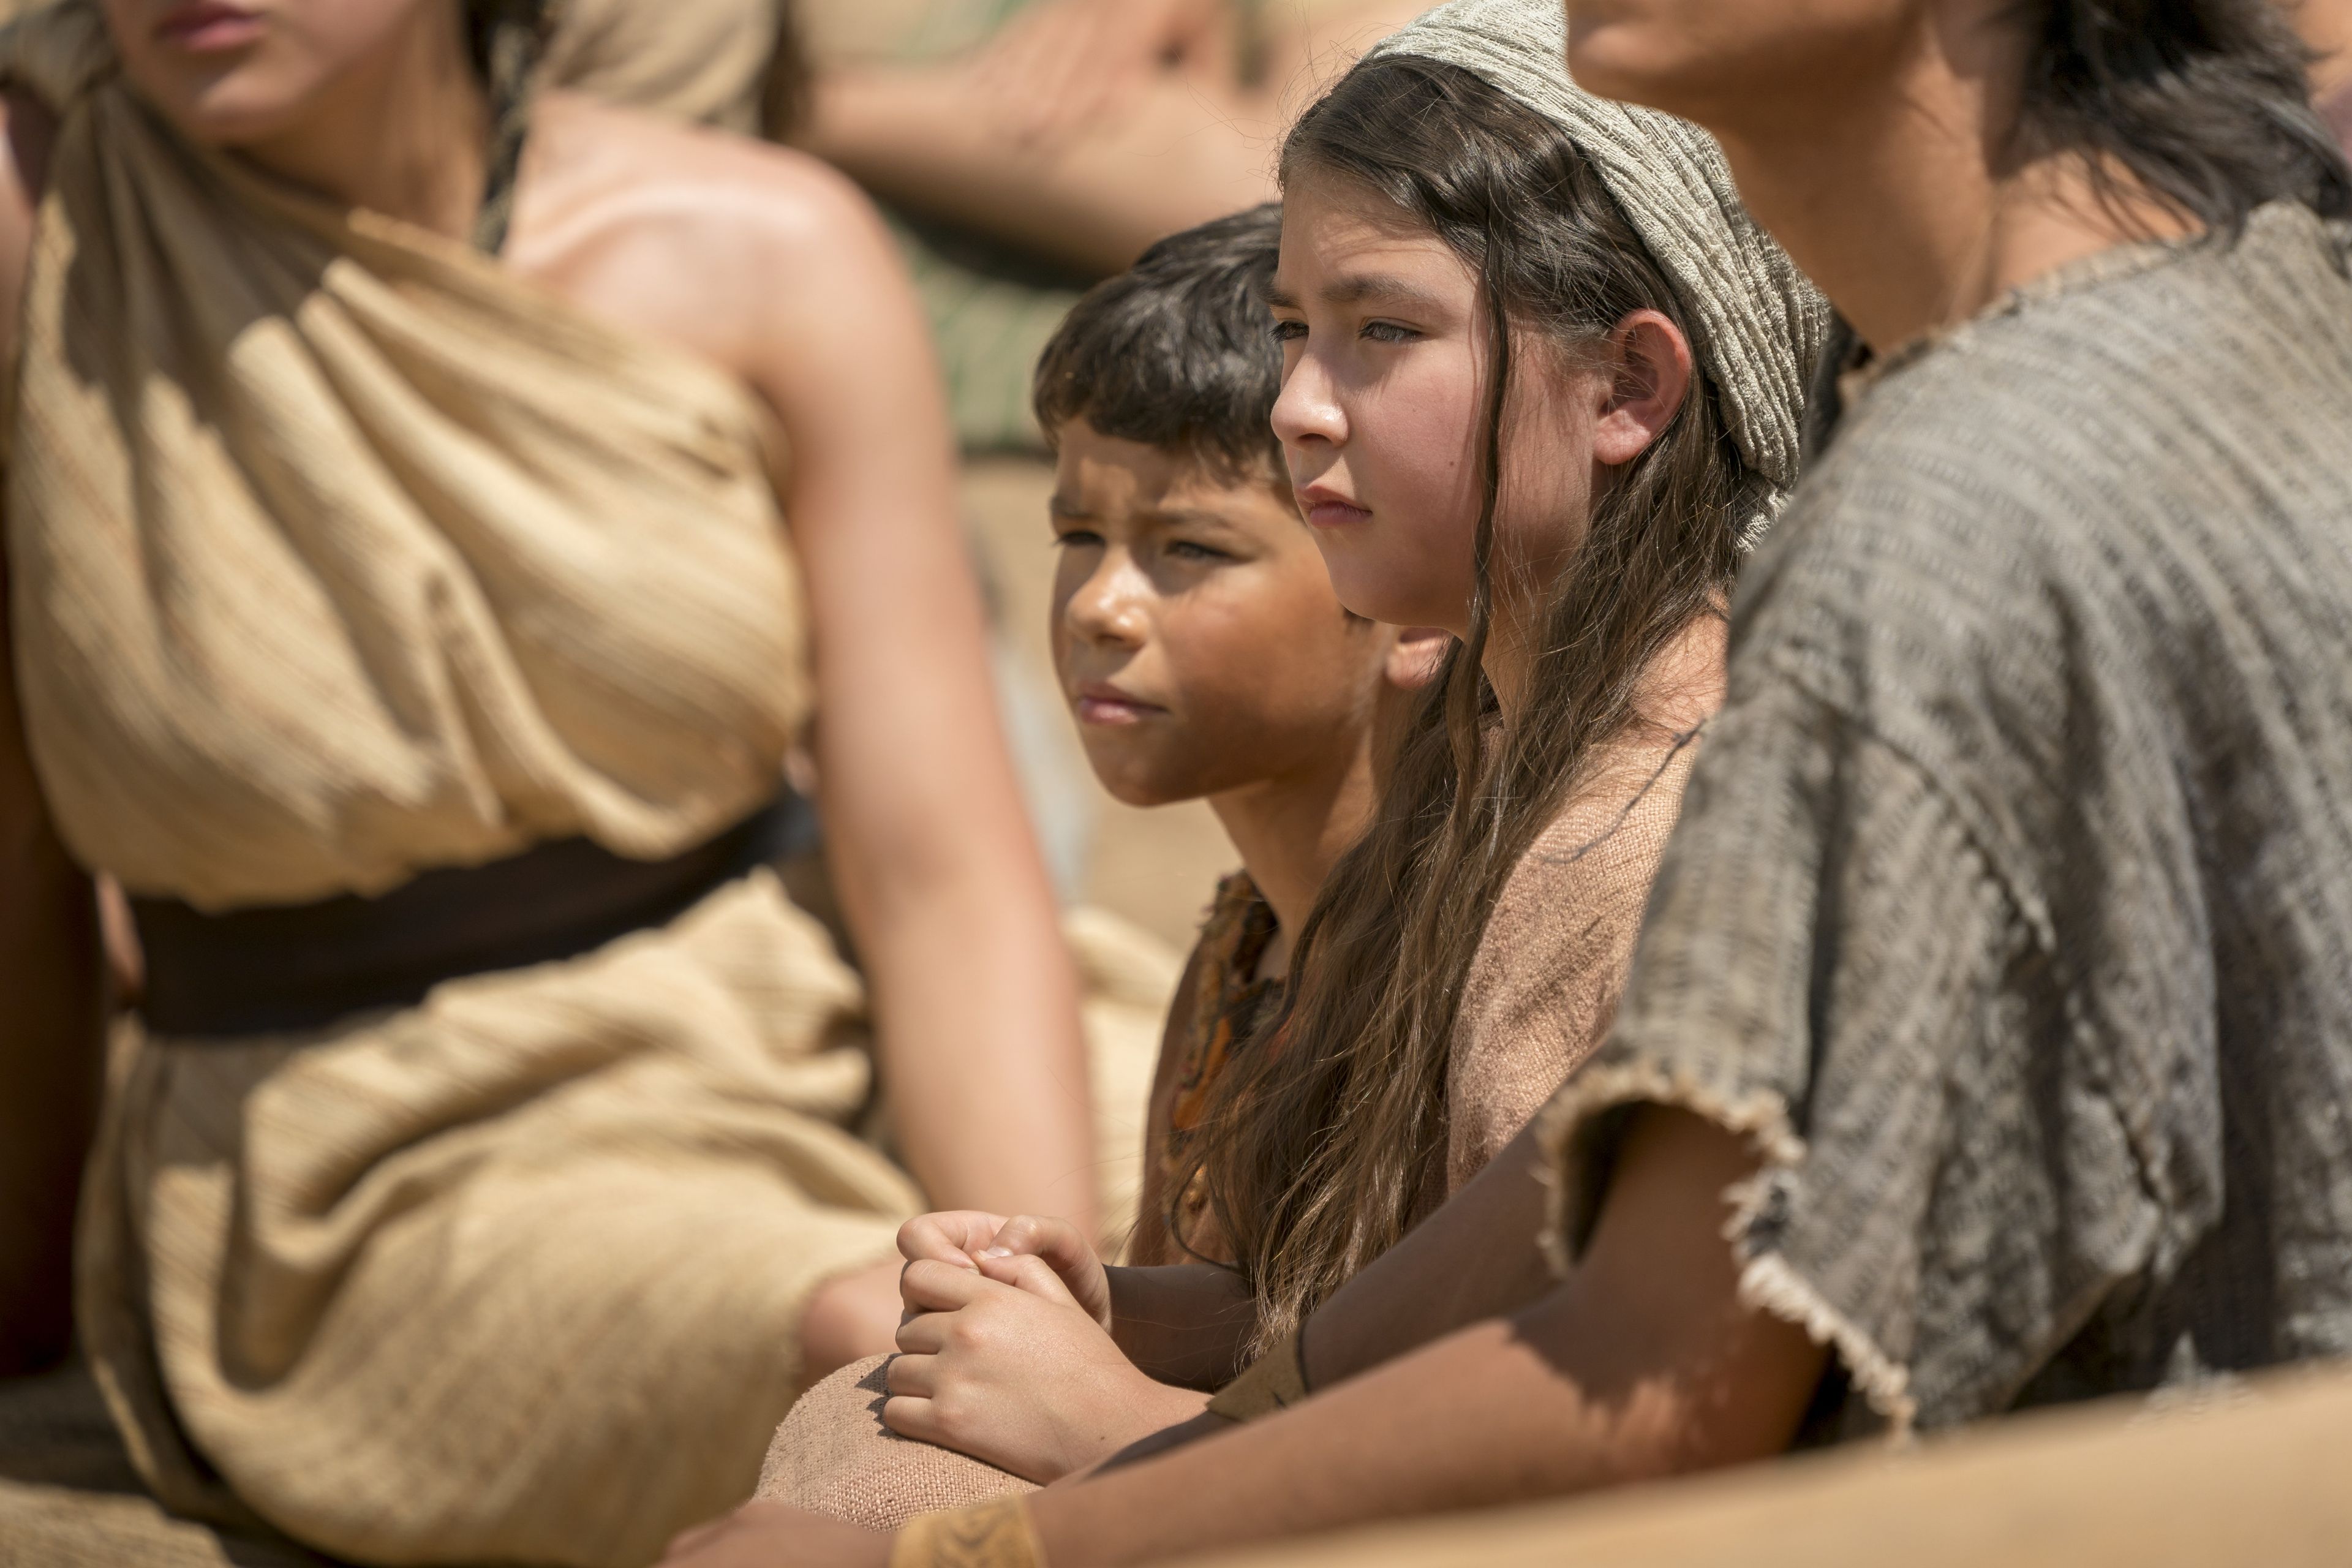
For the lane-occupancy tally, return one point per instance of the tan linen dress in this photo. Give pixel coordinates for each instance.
(336, 554)
(1539, 998)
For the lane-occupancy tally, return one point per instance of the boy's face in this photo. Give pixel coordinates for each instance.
(1195, 632)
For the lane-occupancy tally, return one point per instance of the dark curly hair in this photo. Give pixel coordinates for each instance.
(1178, 351)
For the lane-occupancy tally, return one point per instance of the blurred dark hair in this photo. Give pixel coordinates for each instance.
(2205, 102)
(1178, 351)
(1326, 1138)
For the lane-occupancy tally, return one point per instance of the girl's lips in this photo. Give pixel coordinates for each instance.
(208, 26)
(1323, 509)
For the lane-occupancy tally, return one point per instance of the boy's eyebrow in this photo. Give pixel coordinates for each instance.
(1166, 517)
(1060, 505)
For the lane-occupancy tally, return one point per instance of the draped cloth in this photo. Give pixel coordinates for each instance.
(338, 554)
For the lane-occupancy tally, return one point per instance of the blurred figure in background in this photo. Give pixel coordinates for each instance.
(2326, 26)
(412, 482)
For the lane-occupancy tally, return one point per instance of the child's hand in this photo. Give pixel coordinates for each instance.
(964, 1237)
(948, 1235)
(1003, 1363)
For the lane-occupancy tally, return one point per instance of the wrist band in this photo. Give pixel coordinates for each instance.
(997, 1533)
(1276, 1380)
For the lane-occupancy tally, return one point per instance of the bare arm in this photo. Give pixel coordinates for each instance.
(1643, 1363)
(51, 993)
(975, 995)
(1180, 146)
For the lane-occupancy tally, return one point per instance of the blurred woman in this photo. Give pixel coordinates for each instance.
(412, 484)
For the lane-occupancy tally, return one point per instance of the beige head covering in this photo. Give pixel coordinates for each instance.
(1758, 325)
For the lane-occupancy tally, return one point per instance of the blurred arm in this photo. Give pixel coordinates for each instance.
(1175, 147)
(974, 993)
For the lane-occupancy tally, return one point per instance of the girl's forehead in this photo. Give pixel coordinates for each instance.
(1343, 244)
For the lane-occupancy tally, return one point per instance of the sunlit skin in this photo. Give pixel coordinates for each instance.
(772, 267)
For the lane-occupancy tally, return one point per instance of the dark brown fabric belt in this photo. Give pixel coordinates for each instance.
(302, 966)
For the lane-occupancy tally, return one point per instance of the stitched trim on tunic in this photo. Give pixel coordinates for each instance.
(1767, 1282)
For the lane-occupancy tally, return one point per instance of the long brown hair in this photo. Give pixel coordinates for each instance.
(1323, 1142)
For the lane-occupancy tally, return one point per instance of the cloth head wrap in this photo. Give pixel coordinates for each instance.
(1756, 326)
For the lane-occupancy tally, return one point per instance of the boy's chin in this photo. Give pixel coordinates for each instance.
(1136, 781)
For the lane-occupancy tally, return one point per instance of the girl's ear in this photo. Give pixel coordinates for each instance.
(1414, 656)
(1649, 366)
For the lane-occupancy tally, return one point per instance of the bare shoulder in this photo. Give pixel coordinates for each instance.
(603, 168)
(716, 242)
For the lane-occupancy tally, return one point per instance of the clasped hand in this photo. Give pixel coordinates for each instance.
(1006, 1348)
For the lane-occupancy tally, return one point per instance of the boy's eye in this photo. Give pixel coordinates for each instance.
(1075, 538)
(1387, 332)
(1289, 332)
(1186, 549)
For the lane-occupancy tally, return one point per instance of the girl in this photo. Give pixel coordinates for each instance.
(404, 613)
(1541, 390)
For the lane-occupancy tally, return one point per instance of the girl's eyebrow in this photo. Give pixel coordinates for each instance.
(1355, 288)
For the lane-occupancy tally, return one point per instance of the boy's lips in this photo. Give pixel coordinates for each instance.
(1098, 702)
(206, 25)
(1329, 508)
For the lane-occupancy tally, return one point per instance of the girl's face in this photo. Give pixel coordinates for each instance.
(227, 73)
(1382, 414)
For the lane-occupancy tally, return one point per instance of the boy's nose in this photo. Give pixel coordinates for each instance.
(1106, 607)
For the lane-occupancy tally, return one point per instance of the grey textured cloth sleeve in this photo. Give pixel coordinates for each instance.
(1830, 968)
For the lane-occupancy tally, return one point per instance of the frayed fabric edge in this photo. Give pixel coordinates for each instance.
(1767, 1282)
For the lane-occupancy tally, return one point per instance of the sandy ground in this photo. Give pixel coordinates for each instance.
(1156, 868)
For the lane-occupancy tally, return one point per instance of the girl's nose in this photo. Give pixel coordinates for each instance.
(1306, 413)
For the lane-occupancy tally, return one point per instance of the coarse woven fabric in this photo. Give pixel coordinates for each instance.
(2010, 914)
(338, 554)
(832, 1456)
(1541, 994)
(1756, 325)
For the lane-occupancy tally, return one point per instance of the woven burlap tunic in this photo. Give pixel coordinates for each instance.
(2010, 910)
(337, 554)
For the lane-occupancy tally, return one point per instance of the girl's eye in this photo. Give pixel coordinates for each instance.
(1076, 539)
(1387, 332)
(1289, 332)
(1186, 549)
